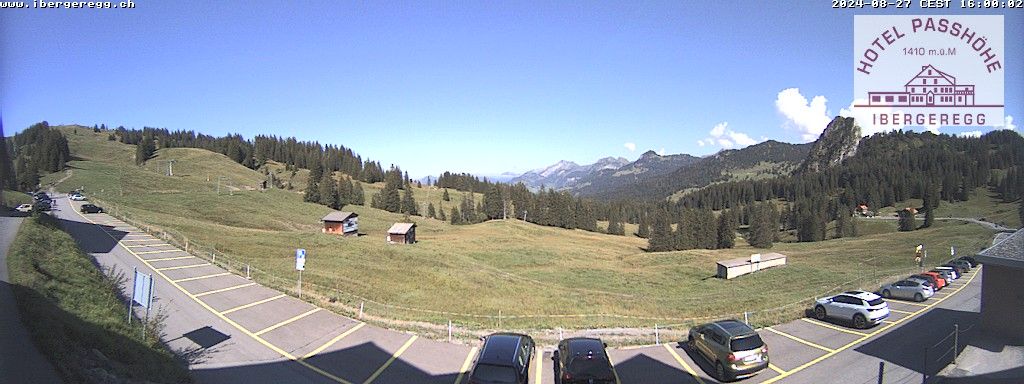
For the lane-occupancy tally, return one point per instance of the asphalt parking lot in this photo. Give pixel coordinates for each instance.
(327, 347)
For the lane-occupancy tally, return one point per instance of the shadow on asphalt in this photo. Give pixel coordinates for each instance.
(905, 345)
(96, 239)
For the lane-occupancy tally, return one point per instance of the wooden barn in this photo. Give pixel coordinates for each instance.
(341, 223)
(402, 233)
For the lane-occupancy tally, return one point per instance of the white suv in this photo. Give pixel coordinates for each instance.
(859, 307)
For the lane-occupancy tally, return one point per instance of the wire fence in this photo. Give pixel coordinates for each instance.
(618, 329)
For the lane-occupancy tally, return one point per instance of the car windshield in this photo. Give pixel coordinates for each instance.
(876, 302)
(494, 374)
(588, 366)
(746, 343)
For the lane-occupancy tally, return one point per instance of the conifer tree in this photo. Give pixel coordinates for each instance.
(615, 226)
(409, 203)
(684, 236)
(445, 196)
(358, 197)
(328, 191)
(644, 224)
(762, 229)
(726, 230)
(661, 234)
(456, 216)
(440, 213)
(431, 212)
(493, 203)
(313, 183)
(907, 221)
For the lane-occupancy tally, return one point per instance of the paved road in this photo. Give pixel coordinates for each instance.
(20, 361)
(239, 331)
(987, 224)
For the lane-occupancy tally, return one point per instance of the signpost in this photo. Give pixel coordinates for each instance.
(142, 293)
(300, 265)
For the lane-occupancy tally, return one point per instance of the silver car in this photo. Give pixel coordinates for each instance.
(859, 307)
(907, 289)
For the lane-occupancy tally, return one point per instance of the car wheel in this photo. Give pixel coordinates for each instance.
(720, 371)
(886, 294)
(819, 313)
(859, 321)
(918, 297)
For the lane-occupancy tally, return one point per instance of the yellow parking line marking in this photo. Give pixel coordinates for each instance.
(391, 360)
(170, 258)
(682, 362)
(614, 372)
(799, 340)
(855, 342)
(540, 366)
(776, 369)
(224, 289)
(465, 367)
(159, 251)
(147, 245)
(241, 307)
(334, 340)
(135, 240)
(899, 311)
(286, 322)
(888, 322)
(197, 277)
(917, 304)
(229, 321)
(183, 267)
(830, 326)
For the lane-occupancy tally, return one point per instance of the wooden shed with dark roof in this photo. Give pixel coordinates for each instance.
(402, 233)
(343, 223)
(1001, 297)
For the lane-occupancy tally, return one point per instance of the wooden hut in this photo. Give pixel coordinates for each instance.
(402, 233)
(343, 223)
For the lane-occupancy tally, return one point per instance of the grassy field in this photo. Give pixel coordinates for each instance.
(71, 311)
(531, 274)
(982, 204)
(15, 198)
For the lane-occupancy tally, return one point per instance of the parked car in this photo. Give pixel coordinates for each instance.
(40, 196)
(965, 265)
(907, 289)
(859, 307)
(939, 281)
(960, 271)
(583, 360)
(24, 208)
(735, 349)
(948, 271)
(76, 197)
(91, 208)
(504, 358)
(42, 206)
(928, 282)
(969, 259)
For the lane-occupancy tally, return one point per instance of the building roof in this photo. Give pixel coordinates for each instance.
(401, 228)
(1008, 252)
(746, 260)
(338, 216)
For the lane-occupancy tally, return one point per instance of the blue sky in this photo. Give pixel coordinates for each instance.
(481, 87)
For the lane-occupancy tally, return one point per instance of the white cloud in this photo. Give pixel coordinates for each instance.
(630, 146)
(661, 152)
(970, 134)
(810, 118)
(727, 138)
(1007, 124)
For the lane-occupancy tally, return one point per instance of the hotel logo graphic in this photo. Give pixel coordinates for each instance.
(930, 88)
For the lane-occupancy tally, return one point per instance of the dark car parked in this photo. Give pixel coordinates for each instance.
(969, 259)
(91, 208)
(42, 206)
(503, 359)
(958, 267)
(966, 265)
(583, 360)
(733, 347)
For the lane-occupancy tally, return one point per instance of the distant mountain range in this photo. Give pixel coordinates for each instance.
(654, 176)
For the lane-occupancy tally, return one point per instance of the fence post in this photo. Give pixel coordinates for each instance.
(657, 336)
(745, 319)
(956, 341)
(449, 331)
(499, 319)
(247, 275)
(361, 309)
(881, 372)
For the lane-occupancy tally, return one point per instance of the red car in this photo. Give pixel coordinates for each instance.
(938, 279)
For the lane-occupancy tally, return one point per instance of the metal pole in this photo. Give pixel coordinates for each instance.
(247, 275)
(956, 341)
(449, 331)
(746, 320)
(300, 283)
(657, 336)
(881, 372)
(361, 309)
(924, 370)
(149, 304)
(499, 318)
(131, 298)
